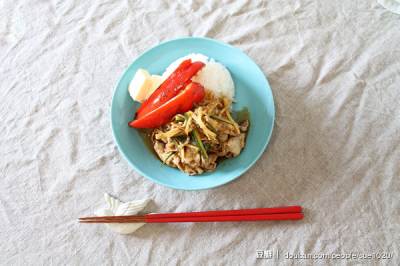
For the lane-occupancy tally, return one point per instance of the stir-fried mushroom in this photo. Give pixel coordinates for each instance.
(193, 141)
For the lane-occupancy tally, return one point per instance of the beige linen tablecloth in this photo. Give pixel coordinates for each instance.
(334, 70)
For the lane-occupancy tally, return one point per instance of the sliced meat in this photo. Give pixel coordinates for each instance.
(244, 126)
(159, 148)
(225, 128)
(233, 146)
(210, 160)
(223, 137)
(192, 157)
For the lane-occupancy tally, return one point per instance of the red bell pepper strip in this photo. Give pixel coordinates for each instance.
(170, 87)
(183, 102)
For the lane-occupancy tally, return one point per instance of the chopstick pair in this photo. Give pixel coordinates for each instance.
(260, 214)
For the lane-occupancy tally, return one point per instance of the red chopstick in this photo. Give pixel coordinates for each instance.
(260, 214)
(237, 218)
(289, 209)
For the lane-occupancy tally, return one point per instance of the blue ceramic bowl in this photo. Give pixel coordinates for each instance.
(252, 91)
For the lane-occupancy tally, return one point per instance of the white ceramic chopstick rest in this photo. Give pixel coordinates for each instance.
(117, 208)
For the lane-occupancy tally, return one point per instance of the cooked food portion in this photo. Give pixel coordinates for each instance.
(189, 109)
(193, 141)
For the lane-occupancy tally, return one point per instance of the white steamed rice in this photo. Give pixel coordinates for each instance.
(214, 76)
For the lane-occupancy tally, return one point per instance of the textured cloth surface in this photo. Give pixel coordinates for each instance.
(334, 70)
